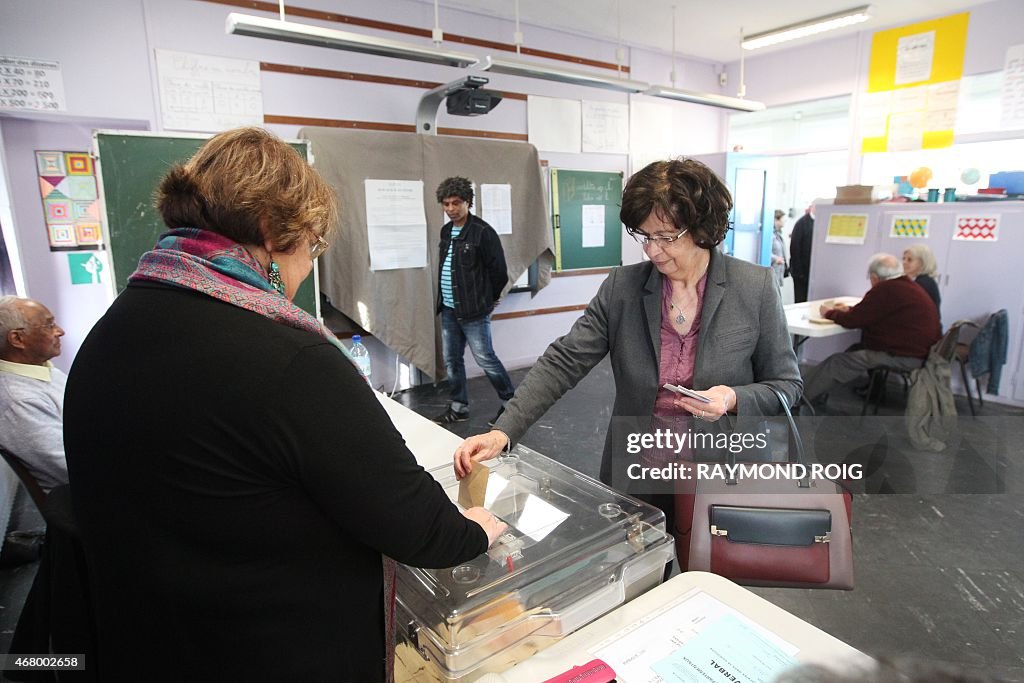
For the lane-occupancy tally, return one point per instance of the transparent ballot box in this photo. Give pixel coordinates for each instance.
(574, 550)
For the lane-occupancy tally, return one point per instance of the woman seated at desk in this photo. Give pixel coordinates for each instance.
(236, 481)
(920, 266)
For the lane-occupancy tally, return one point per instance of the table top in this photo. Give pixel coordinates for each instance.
(813, 645)
(432, 444)
(799, 318)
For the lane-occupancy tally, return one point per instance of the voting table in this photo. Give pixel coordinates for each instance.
(674, 630)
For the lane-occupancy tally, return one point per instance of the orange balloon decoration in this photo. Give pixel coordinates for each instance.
(920, 177)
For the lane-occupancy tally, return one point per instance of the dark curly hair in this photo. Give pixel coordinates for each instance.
(683, 192)
(456, 186)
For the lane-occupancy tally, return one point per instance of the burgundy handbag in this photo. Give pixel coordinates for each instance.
(768, 531)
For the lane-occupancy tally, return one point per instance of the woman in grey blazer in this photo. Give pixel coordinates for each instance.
(689, 316)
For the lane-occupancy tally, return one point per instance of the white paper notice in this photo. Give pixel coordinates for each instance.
(906, 131)
(1013, 88)
(874, 113)
(605, 127)
(496, 207)
(633, 651)
(553, 125)
(909, 99)
(914, 58)
(199, 92)
(31, 84)
(593, 225)
(396, 224)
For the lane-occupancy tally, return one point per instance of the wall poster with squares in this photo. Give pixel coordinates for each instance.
(67, 184)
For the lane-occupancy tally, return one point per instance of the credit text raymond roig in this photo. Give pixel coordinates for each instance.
(684, 471)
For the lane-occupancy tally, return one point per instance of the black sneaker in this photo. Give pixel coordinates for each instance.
(449, 416)
(496, 416)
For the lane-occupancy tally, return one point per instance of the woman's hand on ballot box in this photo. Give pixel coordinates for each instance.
(492, 526)
(477, 448)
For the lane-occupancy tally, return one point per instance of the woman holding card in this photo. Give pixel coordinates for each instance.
(689, 316)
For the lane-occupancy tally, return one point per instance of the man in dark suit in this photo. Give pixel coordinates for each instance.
(800, 254)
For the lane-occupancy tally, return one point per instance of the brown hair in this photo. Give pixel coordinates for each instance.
(242, 181)
(683, 192)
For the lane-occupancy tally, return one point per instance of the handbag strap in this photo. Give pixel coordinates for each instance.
(796, 449)
(796, 441)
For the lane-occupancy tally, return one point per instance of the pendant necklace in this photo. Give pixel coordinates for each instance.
(680, 318)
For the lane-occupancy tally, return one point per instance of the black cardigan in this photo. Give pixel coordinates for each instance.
(236, 483)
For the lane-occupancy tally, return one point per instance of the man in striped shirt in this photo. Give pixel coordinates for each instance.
(471, 277)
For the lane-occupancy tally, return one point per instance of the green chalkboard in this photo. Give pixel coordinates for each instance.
(585, 216)
(130, 166)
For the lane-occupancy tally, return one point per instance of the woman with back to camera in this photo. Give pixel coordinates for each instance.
(689, 316)
(920, 266)
(236, 481)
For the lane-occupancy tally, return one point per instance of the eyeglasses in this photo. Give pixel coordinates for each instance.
(51, 326)
(660, 240)
(318, 247)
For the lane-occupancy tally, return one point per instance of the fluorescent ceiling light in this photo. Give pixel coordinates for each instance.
(554, 73)
(275, 29)
(722, 101)
(807, 28)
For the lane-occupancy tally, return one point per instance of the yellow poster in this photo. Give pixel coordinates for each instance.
(847, 228)
(914, 85)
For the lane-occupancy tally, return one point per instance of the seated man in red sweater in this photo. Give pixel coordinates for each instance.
(898, 324)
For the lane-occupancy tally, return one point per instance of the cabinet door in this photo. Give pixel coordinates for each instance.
(979, 278)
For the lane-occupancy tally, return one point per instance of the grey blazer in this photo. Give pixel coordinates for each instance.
(743, 343)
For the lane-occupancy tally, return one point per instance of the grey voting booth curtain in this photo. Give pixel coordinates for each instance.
(397, 306)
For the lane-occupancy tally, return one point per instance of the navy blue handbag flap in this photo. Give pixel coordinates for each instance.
(771, 526)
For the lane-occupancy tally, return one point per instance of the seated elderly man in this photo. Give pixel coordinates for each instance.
(898, 323)
(32, 390)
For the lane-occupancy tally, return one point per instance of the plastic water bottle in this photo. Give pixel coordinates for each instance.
(361, 357)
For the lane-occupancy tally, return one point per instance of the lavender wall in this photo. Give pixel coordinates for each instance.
(106, 53)
(839, 66)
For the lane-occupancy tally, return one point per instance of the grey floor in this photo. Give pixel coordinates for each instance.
(939, 575)
(939, 557)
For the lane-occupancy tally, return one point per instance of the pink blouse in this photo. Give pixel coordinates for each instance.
(678, 352)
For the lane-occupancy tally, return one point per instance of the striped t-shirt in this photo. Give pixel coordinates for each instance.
(447, 298)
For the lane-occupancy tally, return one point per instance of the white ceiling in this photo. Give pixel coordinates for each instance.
(706, 29)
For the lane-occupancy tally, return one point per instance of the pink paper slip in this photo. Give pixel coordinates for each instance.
(594, 671)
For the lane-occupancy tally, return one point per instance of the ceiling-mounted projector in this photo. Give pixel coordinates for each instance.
(470, 99)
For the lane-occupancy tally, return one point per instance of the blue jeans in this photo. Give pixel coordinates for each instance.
(454, 335)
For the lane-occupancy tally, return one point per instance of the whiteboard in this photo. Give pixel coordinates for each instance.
(605, 127)
(208, 94)
(554, 124)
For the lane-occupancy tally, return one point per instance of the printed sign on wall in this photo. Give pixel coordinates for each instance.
(86, 269)
(913, 86)
(67, 184)
(909, 226)
(977, 228)
(847, 228)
